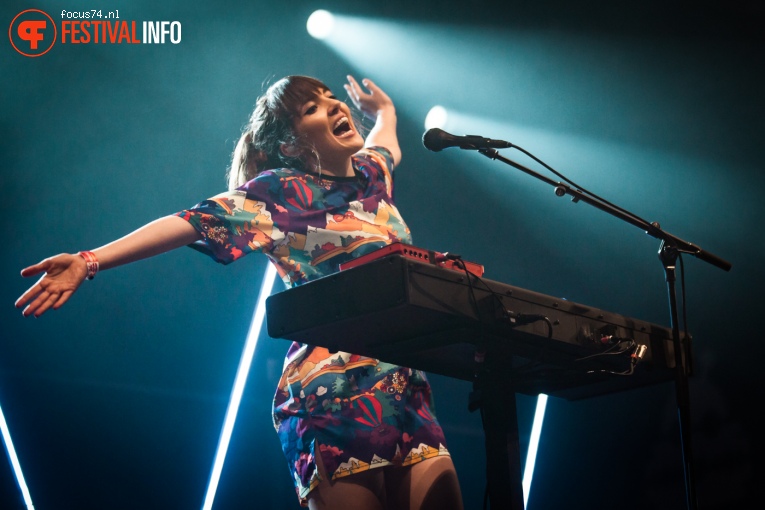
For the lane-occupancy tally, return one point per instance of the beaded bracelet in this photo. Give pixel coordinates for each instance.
(92, 263)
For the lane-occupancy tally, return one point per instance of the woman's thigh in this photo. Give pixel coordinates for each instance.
(428, 485)
(361, 491)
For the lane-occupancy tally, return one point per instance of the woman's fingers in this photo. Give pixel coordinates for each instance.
(369, 84)
(36, 299)
(35, 269)
(368, 102)
(37, 288)
(49, 301)
(353, 90)
(43, 301)
(60, 279)
(30, 293)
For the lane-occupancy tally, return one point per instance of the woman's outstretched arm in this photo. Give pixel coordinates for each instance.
(62, 274)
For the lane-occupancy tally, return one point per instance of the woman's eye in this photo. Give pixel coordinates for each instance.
(310, 110)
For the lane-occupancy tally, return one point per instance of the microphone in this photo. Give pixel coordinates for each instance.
(437, 139)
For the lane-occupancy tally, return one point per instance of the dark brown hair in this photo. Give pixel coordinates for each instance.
(270, 126)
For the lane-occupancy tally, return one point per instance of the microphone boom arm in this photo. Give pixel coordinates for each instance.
(653, 229)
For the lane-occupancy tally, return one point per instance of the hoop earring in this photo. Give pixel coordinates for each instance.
(318, 161)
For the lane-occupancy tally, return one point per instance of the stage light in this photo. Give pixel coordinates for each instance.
(531, 455)
(241, 378)
(15, 461)
(320, 24)
(436, 117)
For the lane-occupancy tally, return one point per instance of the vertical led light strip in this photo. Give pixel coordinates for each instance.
(239, 382)
(531, 454)
(15, 461)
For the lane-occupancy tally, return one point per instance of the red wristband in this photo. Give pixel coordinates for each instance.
(92, 263)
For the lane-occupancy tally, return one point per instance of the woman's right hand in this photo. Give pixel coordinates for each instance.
(62, 275)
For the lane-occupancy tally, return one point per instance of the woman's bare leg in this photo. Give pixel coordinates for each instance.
(428, 485)
(362, 491)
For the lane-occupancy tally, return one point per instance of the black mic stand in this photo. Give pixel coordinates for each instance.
(671, 248)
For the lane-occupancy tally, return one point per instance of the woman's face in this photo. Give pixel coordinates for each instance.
(327, 123)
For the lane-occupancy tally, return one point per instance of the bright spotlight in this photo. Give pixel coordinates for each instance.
(320, 24)
(436, 117)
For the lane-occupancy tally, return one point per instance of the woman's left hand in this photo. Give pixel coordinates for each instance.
(369, 103)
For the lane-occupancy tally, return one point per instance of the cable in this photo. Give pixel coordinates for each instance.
(514, 318)
(635, 350)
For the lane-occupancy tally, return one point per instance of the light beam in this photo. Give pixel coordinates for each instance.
(241, 378)
(15, 461)
(531, 454)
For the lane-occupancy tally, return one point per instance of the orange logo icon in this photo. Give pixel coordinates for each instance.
(32, 33)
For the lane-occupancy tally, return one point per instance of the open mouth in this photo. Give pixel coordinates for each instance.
(342, 127)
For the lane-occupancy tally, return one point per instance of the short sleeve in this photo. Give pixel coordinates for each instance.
(377, 164)
(232, 225)
(380, 155)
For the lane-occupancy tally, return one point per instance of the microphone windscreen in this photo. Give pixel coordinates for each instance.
(433, 139)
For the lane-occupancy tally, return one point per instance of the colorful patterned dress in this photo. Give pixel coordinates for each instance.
(357, 412)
